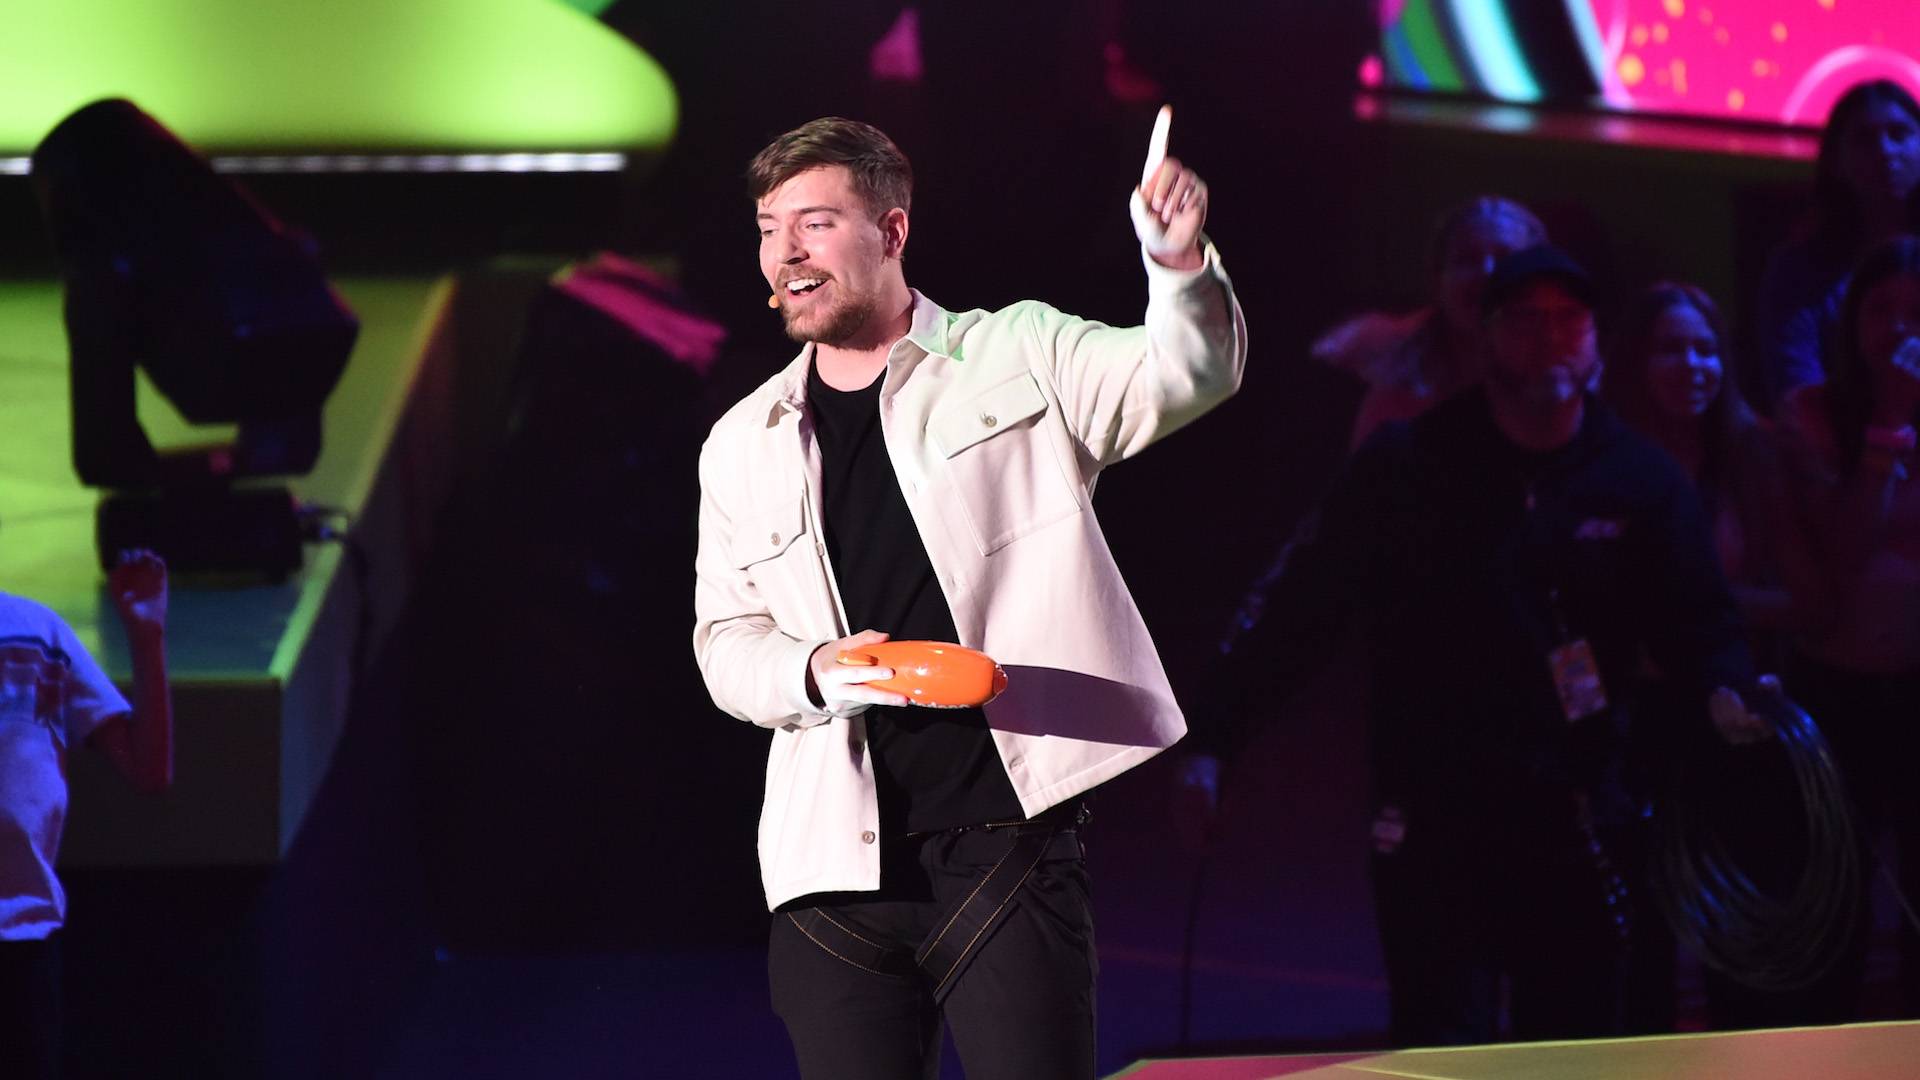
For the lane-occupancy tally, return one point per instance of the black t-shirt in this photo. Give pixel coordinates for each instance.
(935, 768)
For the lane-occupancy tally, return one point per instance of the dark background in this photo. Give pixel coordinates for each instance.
(535, 853)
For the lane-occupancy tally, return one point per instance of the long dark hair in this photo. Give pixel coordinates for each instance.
(1850, 376)
(1835, 224)
(1727, 420)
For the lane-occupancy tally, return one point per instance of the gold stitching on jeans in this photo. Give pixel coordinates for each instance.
(988, 921)
(927, 950)
(823, 948)
(843, 929)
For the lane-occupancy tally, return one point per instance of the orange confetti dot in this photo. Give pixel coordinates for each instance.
(1706, 16)
(1675, 8)
(1720, 35)
(1779, 31)
(1759, 68)
(1679, 69)
(1639, 36)
(1632, 70)
(1828, 4)
(1736, 100)
(1660, 32)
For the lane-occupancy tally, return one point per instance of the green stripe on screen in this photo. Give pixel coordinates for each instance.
(1429, 46)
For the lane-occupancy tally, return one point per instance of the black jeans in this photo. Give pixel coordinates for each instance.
(1462, 910)
(30, 1009)
(1022, 1010)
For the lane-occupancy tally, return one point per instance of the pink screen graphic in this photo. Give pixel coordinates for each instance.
(1781, 61)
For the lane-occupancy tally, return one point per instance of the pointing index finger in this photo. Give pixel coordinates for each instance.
(1157, 144)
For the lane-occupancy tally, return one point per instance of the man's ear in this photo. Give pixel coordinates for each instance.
(893, 232)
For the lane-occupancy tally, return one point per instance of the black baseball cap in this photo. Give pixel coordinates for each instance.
(1524, 267)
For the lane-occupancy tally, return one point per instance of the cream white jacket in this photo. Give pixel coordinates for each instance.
(998, 423)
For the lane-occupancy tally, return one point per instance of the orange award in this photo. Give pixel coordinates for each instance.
(936, 674)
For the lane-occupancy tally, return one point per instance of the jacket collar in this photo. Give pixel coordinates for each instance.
(927, 333)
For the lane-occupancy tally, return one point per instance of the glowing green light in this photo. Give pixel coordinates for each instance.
(1426, 47)
(260, 75)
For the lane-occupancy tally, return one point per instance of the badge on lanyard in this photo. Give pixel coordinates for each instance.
(1577, 677)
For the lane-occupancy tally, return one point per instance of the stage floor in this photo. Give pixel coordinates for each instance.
(1850, 1052)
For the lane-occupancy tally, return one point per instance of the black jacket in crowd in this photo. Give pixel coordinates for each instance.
(1465, 559)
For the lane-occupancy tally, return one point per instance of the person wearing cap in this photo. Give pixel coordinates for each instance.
(928, 474)
(1414, 361)
(1509, 557)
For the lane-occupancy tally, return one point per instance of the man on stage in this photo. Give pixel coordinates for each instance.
(925, 474)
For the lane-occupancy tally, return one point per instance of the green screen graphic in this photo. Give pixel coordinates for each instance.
(591, 7)
(395, 75)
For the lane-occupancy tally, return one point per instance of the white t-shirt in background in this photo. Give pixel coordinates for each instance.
(53, 695)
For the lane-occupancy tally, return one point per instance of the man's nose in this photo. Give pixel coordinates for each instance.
(788, 249)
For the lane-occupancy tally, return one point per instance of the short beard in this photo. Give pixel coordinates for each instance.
(838, 326)
(1550, 389)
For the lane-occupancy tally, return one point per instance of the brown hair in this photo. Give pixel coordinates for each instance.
(1727, 420)
(1849, 373)
(881, 174)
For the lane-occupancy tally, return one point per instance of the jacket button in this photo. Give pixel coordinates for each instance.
(774, 539)
(989, 419)
(867, 837)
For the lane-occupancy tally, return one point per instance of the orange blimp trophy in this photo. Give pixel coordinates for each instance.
(934, 674)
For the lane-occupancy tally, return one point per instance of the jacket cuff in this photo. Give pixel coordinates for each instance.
(1166, 277)
(794, 678)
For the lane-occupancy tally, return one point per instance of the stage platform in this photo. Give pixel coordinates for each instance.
(1850, 1052)
(261, 673)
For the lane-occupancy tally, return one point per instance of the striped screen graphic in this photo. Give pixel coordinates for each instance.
(1765, 61)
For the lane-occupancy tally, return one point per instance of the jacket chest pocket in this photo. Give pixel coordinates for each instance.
(772, 547)
(1003, 464)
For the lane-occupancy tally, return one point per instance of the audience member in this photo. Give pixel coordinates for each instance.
(1852, 559)
(1668, 377)
(1412, 362)
(53, 696)
(1865, 185)
(1510, 556)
